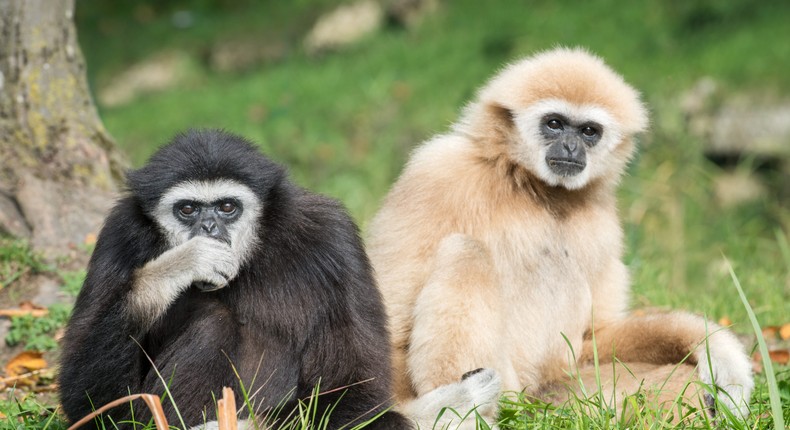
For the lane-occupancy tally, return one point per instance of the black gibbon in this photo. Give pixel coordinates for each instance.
(224, 272)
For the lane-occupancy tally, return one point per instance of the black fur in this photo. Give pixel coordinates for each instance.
(304, 309)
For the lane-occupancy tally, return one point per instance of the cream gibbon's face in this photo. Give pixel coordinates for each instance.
(566, 144)
(568, 118)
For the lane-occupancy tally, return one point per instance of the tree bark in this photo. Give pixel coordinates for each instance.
(59, 168)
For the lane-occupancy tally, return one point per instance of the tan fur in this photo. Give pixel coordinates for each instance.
(669, 388)
(482, 263)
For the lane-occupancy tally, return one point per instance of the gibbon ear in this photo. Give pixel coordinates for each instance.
(503, 117)
(495, 127)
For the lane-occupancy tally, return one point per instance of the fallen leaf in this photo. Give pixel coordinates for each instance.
(770, 331)
(51, 388)
(725, 321)
(778, 356)
(784, 332)
(24, 370)
(25, 362)
(29, 306)
(90, 239)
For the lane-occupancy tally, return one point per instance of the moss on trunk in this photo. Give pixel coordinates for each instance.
(55, 151)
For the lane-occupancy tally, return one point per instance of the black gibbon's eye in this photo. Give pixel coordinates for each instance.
(227, 208)
(589, 131)
(554, 124)
(187, 210)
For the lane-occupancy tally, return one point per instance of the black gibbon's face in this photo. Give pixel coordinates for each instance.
(566, 144)
(210, 219)
(222, 209)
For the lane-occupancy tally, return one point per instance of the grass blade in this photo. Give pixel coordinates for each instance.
(783, 247)
(773, 388)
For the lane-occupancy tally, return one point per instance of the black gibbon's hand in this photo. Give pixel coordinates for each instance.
(214, 263)
(159, 282)
(206, 286)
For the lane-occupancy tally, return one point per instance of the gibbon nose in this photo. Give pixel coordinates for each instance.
(570, 145)
(209, 226)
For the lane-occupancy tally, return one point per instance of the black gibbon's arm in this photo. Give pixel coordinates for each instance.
(100, 354)
(348, 346)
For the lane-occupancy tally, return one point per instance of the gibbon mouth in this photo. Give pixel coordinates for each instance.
(565, 166)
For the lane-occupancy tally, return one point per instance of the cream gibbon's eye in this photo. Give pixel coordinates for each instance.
(589, 131)
(554, 124)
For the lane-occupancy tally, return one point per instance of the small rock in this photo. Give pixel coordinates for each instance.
(345, 25)
(748, 127)
(737, 188)
(49, 292)
(241, 55)
(12, 222)
(738, 125)
(5, 325)
(154, 74)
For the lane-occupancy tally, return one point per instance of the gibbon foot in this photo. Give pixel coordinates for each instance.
(456, 405)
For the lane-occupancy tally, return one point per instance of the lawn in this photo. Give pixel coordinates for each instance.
(344, 122)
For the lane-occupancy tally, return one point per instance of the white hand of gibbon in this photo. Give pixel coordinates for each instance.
(212, 261)
(160, 281)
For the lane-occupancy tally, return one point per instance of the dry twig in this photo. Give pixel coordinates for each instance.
(226, 413)
(150, 400)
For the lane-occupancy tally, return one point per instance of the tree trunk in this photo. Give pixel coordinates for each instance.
(59, 169)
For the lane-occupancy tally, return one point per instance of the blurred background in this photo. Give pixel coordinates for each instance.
(342, 91)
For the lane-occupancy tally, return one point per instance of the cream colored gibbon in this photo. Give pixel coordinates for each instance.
(501, 239)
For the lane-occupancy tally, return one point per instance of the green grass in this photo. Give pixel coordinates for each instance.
(344, 124)
(17, 259)
(23, 410)
(770, 376)
(36, 333)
